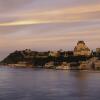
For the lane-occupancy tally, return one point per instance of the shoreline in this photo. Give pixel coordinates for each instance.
(42, 68)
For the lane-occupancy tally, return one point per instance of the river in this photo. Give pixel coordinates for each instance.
(43, 84)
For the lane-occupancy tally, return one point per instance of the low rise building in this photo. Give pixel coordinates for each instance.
(54, 53)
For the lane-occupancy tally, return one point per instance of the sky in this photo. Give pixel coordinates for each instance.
(48, 24)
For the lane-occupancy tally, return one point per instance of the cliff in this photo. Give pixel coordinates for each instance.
(28, 57)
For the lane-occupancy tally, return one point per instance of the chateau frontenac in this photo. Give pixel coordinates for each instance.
(81, 49)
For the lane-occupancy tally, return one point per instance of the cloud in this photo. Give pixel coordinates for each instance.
(48, 24)
(69, 14)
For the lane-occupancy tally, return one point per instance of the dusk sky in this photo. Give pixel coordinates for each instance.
(48, 24)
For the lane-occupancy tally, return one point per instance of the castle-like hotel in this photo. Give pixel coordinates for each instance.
(82, 49)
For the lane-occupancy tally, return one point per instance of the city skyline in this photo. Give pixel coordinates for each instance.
(48, 24)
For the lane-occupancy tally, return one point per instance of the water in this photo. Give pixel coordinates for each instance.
(32, 84)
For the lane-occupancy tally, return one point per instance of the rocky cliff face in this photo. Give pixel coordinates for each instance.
(81, 49)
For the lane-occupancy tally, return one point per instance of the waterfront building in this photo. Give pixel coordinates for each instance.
(84, 65)
(81, 49)
(97, 65)
(63, 66)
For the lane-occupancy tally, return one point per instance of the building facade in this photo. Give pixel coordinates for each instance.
(81, 49)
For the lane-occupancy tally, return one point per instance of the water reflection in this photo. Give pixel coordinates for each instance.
(80, 84)
(30, 84)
